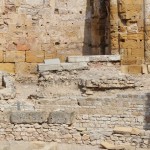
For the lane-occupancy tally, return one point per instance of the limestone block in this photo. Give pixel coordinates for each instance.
(34, 56)
(110, 146)
(8, 67)
(1, 56)
(148, 68)
(123, 130)
(25, 68)
(93, 58)
(135, 69)
(23, 47)
(128, 61)
(124, 68)
(14, 56)
(35, 2)
(74, 66)
(61, 117)
(28, 117)
(75, 59)
(144, 69)
(5, 117)
(45, 67)
(52, 61)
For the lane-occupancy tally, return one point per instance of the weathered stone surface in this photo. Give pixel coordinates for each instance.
(34, 56)
(144, 69)
(14, 56)
(26, 68)
(127, 130)
(8, 67)
(62, 66)
(5, 117)
(47, 67)
(61, 117)
(74, 66)
(28, 117)
(110, 146)
(8, 91)
(123, 130)
(75, 59)
(96, 58)
(52, 61)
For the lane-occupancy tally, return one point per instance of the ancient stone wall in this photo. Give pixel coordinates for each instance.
(120, 120)
(131, 34)
(31, 31)
(147, 31)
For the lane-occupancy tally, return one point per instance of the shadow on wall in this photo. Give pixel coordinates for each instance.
(96, 32)
(147, 116)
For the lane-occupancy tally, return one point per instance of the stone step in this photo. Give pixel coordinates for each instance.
(94, 58)
(62, 66)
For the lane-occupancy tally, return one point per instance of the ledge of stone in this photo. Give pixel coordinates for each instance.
(62, 66)
(94, 58)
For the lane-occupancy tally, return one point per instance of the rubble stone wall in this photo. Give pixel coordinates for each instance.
(123, 120)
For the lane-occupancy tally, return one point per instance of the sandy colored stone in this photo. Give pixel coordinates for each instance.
(123, 130)
(8, 67)
(110, 146)
(26, 68)
(14, 56)
(1, 56)
(34, 56)
(135, 69)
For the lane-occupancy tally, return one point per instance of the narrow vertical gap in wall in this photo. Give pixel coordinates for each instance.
(96, 32)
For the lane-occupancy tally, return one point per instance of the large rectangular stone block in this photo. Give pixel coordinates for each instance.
(34, 56)
(25, 68)
(8, 67)
(48, 67)
(93, 58)
(135, 69)
(61, 117)
(5, 117)
(14, 56)
(28, 117)
(74, 66)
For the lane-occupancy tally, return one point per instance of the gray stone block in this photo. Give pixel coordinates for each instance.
(75, 59)
(74, 66)
(105, 58)
(94, 58)
(52, 61)
(48, 67)
(28, 117)
(61, 117)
